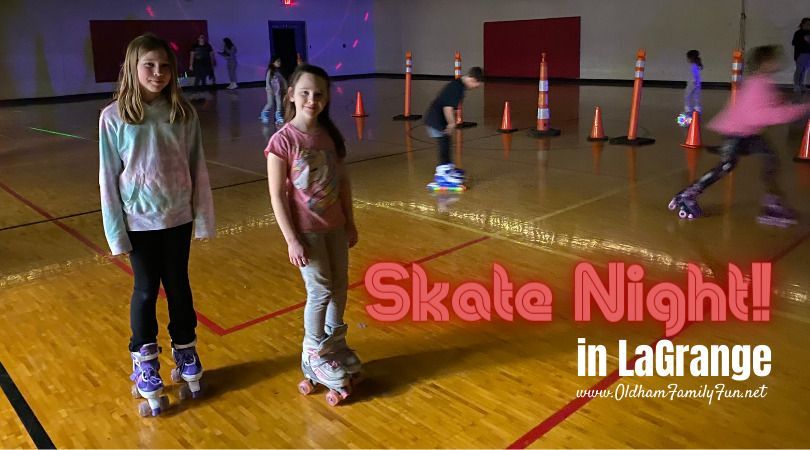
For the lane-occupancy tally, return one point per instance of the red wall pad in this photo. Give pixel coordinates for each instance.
(512, 48)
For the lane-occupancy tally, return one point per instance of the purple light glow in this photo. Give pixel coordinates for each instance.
(354, 44)
(150, 11)
(338, 66)
(365, 18)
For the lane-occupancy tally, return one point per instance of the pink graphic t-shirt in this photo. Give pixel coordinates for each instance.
(315, 173)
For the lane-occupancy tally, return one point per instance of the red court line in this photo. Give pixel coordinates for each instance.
(576, 404)
(210, 324)
(287, 309)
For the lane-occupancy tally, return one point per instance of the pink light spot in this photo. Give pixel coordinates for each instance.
(365, 18)
(338, 66)
(354, 44)
(150, 11)
(174, 46)
(339, 90)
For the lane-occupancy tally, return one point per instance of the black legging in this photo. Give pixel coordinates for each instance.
(157, 257)
(444, 149)
(731, 150)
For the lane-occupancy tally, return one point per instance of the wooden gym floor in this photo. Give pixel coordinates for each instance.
(537, 207)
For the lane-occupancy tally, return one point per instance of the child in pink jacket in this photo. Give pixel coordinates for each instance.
(758, 105)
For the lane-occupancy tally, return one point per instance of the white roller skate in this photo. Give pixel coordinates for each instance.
(343, 353)
(328, 371)
(447, 178)
(148, 384)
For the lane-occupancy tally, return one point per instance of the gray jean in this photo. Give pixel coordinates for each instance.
(326, 278)
(273, 102)
(232, 70)
(802, 67)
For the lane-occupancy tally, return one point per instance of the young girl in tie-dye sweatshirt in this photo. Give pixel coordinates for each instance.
(154, 192)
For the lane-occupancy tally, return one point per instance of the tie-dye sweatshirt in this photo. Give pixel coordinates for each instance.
(152, 175)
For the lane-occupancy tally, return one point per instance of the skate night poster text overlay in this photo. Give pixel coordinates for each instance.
(620, 297)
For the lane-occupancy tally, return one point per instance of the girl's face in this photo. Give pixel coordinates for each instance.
(310, 96)
(277, 63)
(154, 73)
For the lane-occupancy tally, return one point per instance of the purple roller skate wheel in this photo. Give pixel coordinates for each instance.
(673, 204)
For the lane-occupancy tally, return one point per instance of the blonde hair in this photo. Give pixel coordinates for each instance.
(130, 103)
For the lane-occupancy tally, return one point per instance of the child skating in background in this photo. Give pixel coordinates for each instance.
(312, 203)
(693, 88)
(276, 87)
(440, 120)
(154, 191)
(758, 105)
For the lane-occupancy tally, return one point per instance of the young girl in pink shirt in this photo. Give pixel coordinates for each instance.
(758, 105)
(312, 202)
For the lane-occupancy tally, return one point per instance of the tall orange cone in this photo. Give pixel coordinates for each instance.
(408, 75)
(460, 123)
(693, 136)
(736, 73)
(543, 112)
(506, 122)
(359, 111)
(632, 129)
(597, 132)
(804, 150)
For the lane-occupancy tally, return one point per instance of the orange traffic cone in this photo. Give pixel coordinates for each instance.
(804, 150)
(693, 136)
(597, 132)
(359, 111)
(506, 122)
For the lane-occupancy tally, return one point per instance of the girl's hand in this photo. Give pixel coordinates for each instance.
(351, 234)
(297, 254)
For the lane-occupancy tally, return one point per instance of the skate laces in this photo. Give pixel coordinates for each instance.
(147, 373)
(185, 356)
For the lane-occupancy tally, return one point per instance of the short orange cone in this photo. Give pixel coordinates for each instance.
(804, 150)
(597, 132)
(359, 111)
(506, 122)
(693, 136)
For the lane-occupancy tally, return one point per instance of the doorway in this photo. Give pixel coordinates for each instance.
(288, 39)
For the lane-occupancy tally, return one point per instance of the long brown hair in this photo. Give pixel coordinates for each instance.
(760, 55)
(323, 118)
(130, 103)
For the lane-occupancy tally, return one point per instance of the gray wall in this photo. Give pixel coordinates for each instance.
(612, 31)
